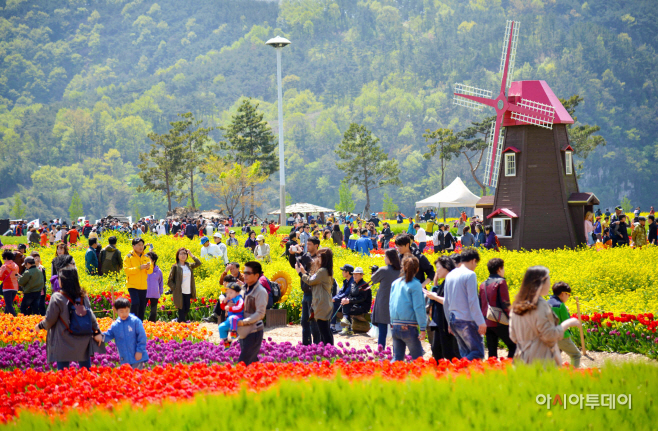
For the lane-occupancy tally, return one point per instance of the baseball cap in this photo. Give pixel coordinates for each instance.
(204, 240)
(358, 270)
(217, 235)
(231, 231)
(618, 208)
(347, 267)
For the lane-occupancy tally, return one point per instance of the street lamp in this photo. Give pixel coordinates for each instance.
(279, 43)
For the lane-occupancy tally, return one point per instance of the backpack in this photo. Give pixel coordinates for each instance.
(106, 265)
(80, 322)
(276, 291)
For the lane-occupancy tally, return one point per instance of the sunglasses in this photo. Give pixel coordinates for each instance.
(247, 273)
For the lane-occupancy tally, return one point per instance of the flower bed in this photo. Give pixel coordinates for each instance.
(625, 333)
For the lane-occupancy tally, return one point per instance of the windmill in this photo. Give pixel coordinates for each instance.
(523, 111)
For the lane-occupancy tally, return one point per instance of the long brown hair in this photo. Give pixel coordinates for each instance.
(530, 290)
(178, 252)
(409, 268)
(326, 260)
(393, 257)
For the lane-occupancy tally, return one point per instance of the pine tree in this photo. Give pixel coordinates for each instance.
(346, 203)
(389, 208)
(18, 210)
(364, 161)
(75, 209)
(160, 167)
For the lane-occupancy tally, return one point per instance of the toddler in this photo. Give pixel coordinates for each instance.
(129, 335)
(233, 304)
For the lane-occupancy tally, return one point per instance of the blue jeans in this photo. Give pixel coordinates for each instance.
(470, 342)
(421, 246)
(9, 296)
(336, 307)
(310, 330)
(383, 331)
(406, 336)
(65, 364)
(230, 324)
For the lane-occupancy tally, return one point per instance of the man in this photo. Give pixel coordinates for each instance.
(437, 239)
(191, 230)
(462, 307)
(86, 230)
(137, 267)
(363, 244)
(374, 219)
(404, 245)
(91, 259)
(210, 251)
(653, 230)
(72, 236)
(598, 212)
(639, 233)
(347, 231)
(348, 281)
(217, 237)
(357, 301)
(110, 258)
(310, 330)
(250, 329)
(448, 239)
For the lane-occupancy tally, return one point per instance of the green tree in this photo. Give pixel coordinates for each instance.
(75, 209)
(389, 208)
(161, 167)
(626, 204)
(249, 139)
(18, 210)
(581, 137)
(364, 161)
(473, 147)
(446, 145)
(346, 202)
(196, 147)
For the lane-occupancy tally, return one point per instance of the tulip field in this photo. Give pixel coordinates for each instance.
(188, 379)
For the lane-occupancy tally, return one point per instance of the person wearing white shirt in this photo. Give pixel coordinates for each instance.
(160, 229)
(222, 247)
(262, 250)
(421, 237)
(208, 250)
(209, 229)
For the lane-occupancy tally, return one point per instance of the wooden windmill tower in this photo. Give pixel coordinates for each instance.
(537, 203)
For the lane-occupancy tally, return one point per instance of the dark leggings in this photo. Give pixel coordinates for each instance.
(326, 336)
(65, 364)
(383, 331)
(493, 335)
(9, 296)
(182, 312)
(153, 315)
(137, 302)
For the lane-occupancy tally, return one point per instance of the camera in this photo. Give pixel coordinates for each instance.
(374, 269)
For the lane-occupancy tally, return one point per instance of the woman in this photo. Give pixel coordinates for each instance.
(232, 240)
(373, 235)
(385, 276)
(337, 235)
(387, 235)
(8, 274)
(321, 283)
(421, 237)
(491, 242)
(62, 346)
(589, 228)
(326, 235)
(468, 240)
(292, 240)
(136, 231)
(251, 242)
(407, 308)
(533, 326)
(154, 286)
(495, 293)
(262, 250)
(61, 249)
(444, 344)
(181, 282)
(480, 237)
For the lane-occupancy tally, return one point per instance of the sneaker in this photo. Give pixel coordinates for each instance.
(210, 319)
(346, 331)
(345, 321)
(233, 334)
(227, 344)
(334, 330)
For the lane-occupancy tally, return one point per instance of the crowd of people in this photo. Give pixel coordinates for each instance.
(416, 299)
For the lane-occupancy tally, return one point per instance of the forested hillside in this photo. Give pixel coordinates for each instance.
(82, 83)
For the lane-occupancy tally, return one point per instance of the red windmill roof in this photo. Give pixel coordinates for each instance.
(537, 91)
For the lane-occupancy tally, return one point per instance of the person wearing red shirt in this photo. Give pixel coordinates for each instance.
(273, 228)
(73, 236)
(44, 238)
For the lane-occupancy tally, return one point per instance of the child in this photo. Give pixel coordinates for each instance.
(561, 294)
(129, 335)
(234, 305)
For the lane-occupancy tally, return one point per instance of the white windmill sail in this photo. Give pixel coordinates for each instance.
(493, 157)
(470, 91)
(512, 57)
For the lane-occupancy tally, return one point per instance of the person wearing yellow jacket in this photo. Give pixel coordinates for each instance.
(137, 267)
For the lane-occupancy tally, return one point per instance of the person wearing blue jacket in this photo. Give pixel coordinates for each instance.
(407, 308)
(129, 335)
(91, 258)
(344, 292)
(363, 244)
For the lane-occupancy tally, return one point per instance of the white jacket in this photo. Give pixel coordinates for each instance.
(421, 236)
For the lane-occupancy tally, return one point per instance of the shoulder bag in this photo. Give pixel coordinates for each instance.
(495, 314)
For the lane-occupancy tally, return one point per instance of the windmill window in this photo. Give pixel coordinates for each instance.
(502, 227)
(568, 163)
(510, 164)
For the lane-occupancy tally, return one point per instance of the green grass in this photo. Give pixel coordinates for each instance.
(13, 240)
(495, 400)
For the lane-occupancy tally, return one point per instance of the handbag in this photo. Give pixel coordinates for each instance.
(495, 314)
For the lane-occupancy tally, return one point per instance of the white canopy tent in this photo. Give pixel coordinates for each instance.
(456, 195)
(303, 209)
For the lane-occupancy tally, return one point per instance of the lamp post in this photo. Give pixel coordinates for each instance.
(279, 43)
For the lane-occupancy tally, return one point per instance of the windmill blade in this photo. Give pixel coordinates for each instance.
(469, 91)
(494, 152)
(514, 34)
(535, 113)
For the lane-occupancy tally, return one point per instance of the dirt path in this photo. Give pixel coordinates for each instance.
(293, 334)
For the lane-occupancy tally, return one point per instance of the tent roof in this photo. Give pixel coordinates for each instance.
(456, 195)
(303, 208)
